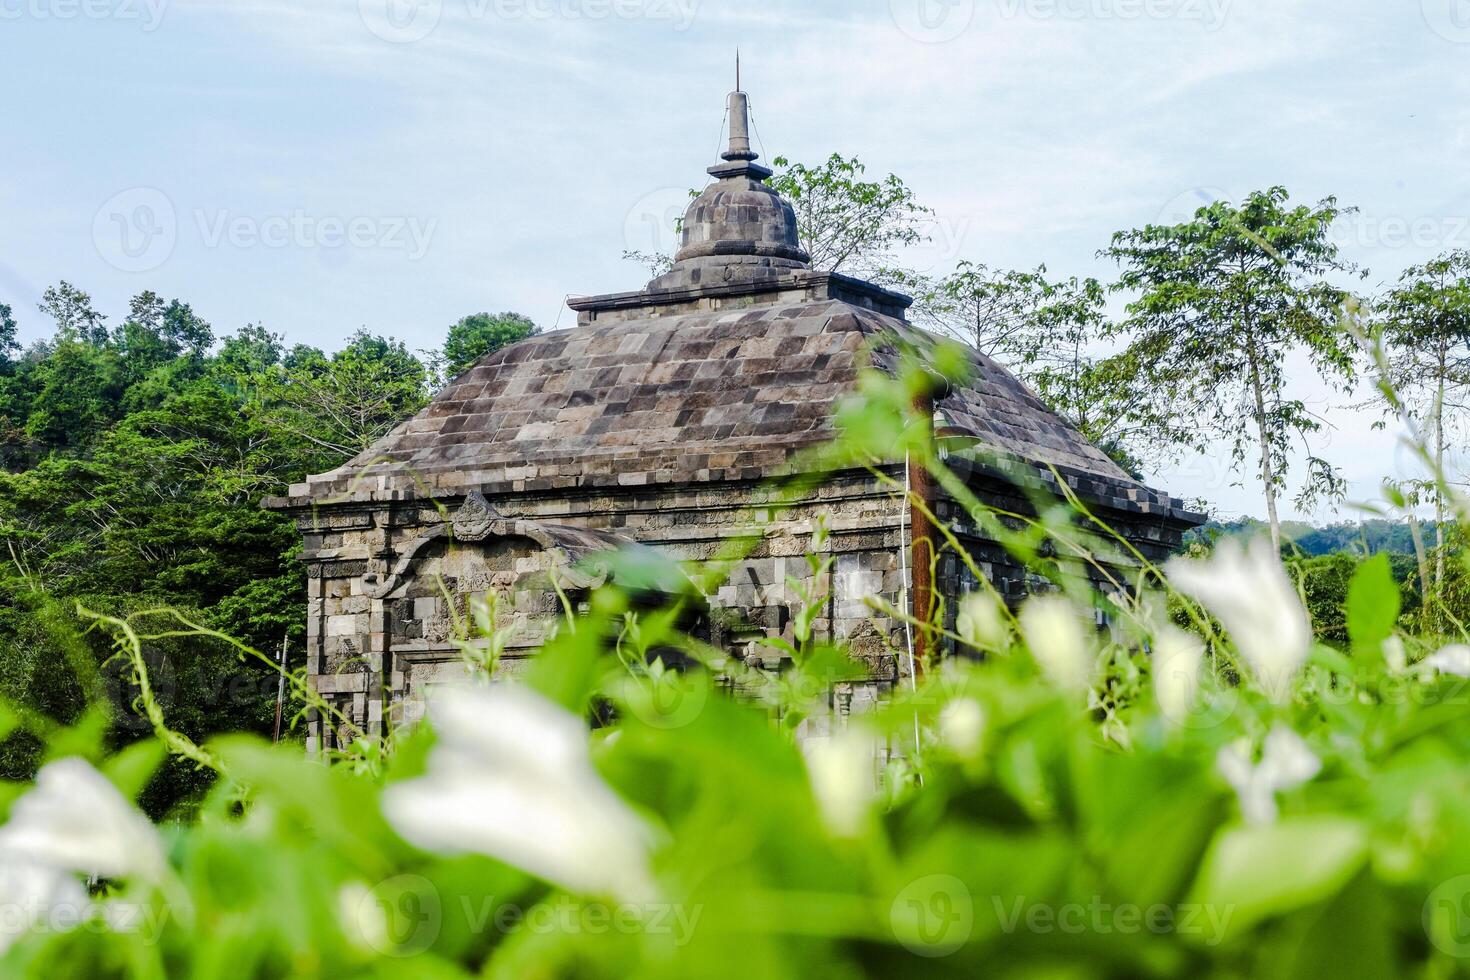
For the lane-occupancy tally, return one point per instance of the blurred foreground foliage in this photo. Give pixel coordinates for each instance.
(1208, 788)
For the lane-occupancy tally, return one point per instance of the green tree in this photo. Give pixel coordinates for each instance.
(9, 336)
(341, 404)
(78, 388)
(132, 464)
(1222, 300)
(849, 224)
(999, 312)
(1425, 326)
(72, 310)
(1048, 333)
(478, 334)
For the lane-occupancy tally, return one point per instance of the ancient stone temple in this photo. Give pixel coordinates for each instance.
(656, 422)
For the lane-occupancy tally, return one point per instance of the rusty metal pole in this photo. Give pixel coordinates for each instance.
(280, 690)
(921, 535)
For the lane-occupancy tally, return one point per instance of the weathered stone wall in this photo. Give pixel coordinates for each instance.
(390, 581)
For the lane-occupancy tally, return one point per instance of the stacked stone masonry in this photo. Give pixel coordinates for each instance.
(659, 422)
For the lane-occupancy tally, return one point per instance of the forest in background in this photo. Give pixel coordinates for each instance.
(135, 446)
(134, 452)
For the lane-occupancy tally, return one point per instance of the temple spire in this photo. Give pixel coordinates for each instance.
(738, 153)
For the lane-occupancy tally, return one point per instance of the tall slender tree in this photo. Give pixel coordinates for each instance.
(1051, 334)
(1222, 299)
(1425, 324)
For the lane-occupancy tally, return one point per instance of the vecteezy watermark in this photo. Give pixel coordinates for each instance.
(1207, 921)
(299, 229)
(567, 916)
(933, 916)
(135, 230)
(932, 21)
(1182, 207)
(406, 21)
(404, 915)
(1437, 232)
(120, 678)
(666, 698)
(400, 21)
(1210, 13)
(652, 224)
(148, 13)
(941, 241)
(1450, 19)
(33, 915)
(1447, 917)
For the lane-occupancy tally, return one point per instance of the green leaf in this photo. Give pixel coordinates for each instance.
(1254, 872)
(1372, 605)
(132, 768)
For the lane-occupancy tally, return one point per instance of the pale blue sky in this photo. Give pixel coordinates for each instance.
(319, 166)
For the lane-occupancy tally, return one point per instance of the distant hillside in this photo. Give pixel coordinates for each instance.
(1353, 537)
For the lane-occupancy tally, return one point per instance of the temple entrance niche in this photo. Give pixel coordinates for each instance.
(477, 589)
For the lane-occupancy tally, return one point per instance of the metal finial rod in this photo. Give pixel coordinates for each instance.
(738, 106)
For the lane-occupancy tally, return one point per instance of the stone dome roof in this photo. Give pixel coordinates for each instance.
(737, 229)
(727, 368)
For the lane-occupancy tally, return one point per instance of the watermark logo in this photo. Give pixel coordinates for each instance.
(1210, 13)
(1182, 207)
(404, 915)
(1450, 19)
(120, 680)
(932, 21)
(400, 21)
(1207, 922)
(941, 241)
(301, 229)
(1205, 710)
(933, 916)
(407, 21)
(666, 698)
(399, 916)
(148, 13)
(652, 224)
(1429, 232)
(680, 13)
(135, 230)
(1447, 917)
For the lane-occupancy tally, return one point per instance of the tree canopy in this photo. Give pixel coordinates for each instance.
(476, 335)
(132, 464)
(1220, 302)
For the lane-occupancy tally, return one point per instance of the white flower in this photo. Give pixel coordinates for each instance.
(1177, 659)
(1394, 655)
(1247, 589)
(1452, 659)
(32, 894)
(1054, 634)
(961, 725)
(1286, 762)
(511, 777)
(844, 777)
(362, 918)
(76, 821)
(72, 822)
(980, 623)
